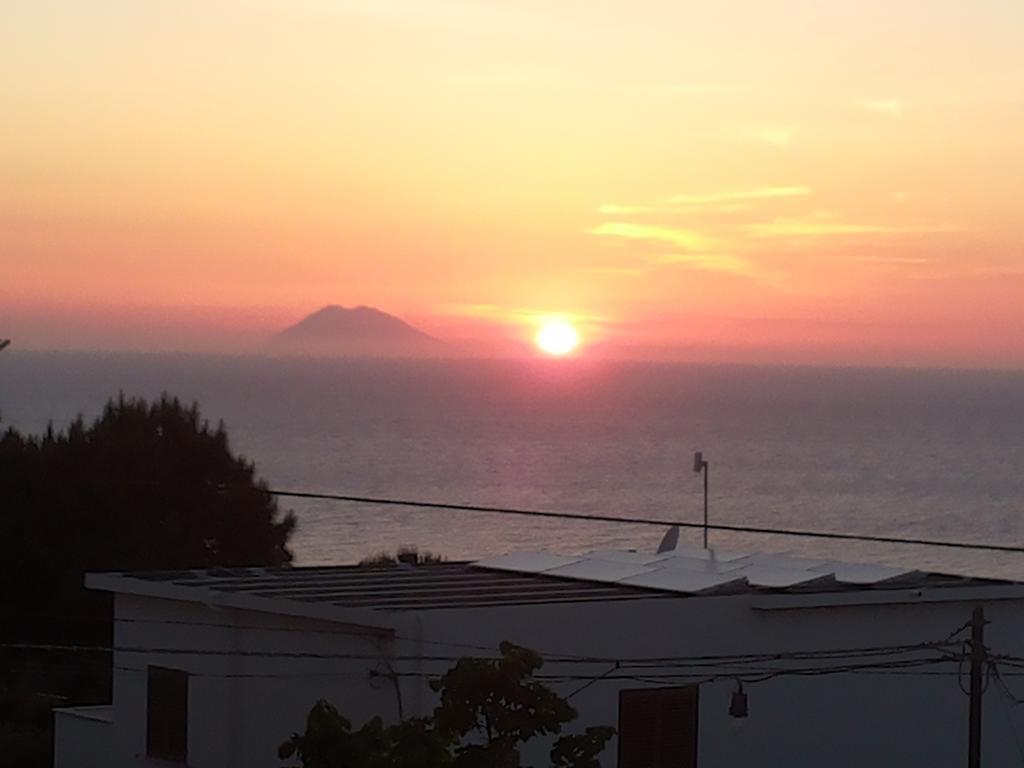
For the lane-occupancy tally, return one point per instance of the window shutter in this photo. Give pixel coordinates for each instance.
(167, 714)
(658, 728)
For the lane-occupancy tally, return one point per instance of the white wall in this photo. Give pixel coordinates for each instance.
(240, 709)
(83, 737)
(842, 721)
(846, 721)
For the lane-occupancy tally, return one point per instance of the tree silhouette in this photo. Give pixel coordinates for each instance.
(143, 487)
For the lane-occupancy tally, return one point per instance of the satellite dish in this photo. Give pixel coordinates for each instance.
(669, 541)
(5, 343)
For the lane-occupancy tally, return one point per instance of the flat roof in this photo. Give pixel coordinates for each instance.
(429, 586)
(364, 595)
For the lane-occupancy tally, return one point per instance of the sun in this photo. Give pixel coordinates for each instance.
(557, 337)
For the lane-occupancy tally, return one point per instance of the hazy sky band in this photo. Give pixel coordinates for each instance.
(787, 181)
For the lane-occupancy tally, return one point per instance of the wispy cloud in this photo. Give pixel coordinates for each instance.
(691, 247)
(681, 238)
(893, 107)
(821, 224)
(755, 193)
(711, 262)
(734, 201)
(517, 315)
(760, 245)
(775, 134)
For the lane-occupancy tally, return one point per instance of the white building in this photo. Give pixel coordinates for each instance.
(842, 665)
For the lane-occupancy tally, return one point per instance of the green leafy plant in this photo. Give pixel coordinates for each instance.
(488, 709)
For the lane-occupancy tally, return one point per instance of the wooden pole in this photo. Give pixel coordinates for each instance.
(978, 655)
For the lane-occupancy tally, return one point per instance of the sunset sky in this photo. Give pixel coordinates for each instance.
(796, 181)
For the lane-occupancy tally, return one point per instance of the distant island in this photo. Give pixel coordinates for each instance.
(357, 332)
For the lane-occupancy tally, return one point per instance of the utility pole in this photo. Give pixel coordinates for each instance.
(700, 465)
(978, 657)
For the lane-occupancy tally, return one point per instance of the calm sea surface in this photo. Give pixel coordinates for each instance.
(907, 453)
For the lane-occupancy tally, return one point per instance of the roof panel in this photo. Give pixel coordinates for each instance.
(698, 564)
(865, 573)
(712, 553)
(511, 580)
(785, 561)
(526, 562)
(421, 587)
(594, 569)
(628, 556)
(780, 578)
(682, 580)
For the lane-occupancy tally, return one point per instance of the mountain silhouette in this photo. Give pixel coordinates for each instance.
(357, 332)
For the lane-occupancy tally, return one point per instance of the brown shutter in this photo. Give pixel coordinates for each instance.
(658, 728)
(167, 714)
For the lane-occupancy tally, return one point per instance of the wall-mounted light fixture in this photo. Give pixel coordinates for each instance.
(738, 703)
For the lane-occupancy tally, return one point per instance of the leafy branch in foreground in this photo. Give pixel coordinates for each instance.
(488, 709)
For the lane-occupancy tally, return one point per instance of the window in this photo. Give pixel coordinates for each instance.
(658, 728)
(167, 714)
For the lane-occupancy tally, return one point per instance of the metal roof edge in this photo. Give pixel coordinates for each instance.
(99, 713)
(368, 621)
(923, 594)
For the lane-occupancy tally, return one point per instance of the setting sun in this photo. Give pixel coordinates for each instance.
(557, 338)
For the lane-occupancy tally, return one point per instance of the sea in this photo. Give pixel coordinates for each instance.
(935, 454)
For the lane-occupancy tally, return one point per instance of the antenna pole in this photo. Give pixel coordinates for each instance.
(700, 465)
(705, 505)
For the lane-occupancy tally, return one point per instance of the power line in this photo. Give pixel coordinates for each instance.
(946, 643)
(730, 673)
(659, 662)
(594, 518)
(724, 673)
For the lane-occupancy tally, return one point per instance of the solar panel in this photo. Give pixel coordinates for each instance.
(780, 578)
(787, 561)
(526, 562)
(593, 569)
(681, 580)
(629, 556)
(864, 573)
(700, 565)
(720, 555)
(692, 569)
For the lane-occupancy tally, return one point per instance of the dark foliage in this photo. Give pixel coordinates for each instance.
(330, 742)
(144, 487)
(407, 555)
(25, 748)
(488, 709)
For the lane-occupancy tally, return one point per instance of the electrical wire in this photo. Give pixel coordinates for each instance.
(419, 504)
(615, 667)
(632, 662)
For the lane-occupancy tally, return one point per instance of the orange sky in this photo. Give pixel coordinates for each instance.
(793, 181)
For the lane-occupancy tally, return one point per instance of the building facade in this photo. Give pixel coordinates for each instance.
(831, 664)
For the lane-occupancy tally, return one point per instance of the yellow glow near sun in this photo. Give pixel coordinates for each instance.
(557, 337)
